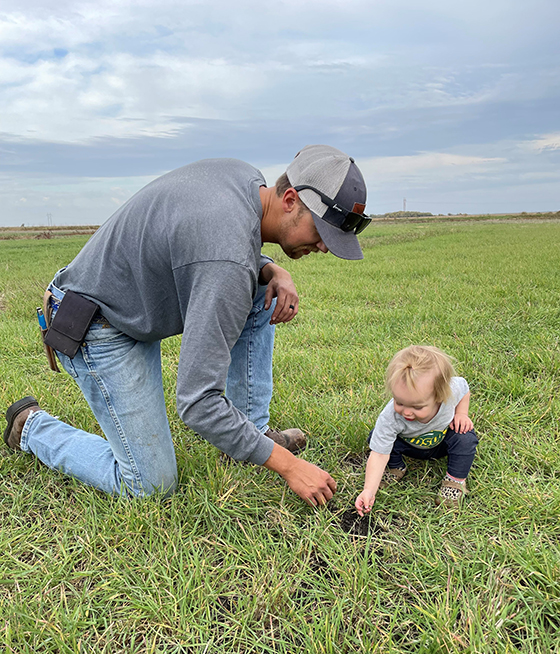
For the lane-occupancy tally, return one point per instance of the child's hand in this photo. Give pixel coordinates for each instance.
(461, 423)
(365, 501)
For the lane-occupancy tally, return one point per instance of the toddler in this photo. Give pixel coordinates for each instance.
(426, 419)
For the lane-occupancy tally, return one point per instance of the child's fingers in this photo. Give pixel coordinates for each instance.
(361, 506)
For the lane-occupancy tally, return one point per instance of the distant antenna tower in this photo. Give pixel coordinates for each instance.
(49, 219)
(404, 204)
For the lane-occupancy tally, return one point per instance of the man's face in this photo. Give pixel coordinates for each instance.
(299, 236)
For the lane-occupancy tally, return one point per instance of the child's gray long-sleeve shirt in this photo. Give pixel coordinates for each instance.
(182, 256)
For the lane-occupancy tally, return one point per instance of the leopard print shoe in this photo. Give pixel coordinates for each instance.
(391, 476)
(451, 493)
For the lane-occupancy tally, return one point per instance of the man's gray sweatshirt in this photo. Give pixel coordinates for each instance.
(182, 256)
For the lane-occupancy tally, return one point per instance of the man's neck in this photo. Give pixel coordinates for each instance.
(271, 206)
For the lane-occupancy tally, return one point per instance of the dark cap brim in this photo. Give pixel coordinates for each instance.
(344, 245)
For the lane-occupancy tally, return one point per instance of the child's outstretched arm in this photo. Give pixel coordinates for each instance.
(461, 422)
(374, 471)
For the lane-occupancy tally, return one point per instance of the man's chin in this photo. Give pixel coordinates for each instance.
(293, 254)
(298, 254)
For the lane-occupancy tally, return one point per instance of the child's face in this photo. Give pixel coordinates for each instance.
(416, 404)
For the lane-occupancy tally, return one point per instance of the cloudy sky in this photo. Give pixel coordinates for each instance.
(453, 106)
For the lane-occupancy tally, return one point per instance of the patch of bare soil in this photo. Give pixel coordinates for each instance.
(353, 524)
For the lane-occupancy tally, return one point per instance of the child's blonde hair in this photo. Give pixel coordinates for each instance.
(416, 360)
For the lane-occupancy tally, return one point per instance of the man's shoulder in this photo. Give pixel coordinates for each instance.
(209, 169)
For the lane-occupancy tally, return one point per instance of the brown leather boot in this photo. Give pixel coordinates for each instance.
(16, 415)
(293, 439)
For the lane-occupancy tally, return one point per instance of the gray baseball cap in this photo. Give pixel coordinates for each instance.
(332, 187)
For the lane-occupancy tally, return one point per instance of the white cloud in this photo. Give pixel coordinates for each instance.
(425, 168)
(76, 99)
(545, 142)
(136, 69)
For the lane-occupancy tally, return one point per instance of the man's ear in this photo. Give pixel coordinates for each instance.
(290, 200)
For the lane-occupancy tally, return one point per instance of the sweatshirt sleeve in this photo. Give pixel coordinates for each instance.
(216, 299)
(264, 260)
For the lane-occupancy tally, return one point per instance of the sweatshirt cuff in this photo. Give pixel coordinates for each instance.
(262, 451)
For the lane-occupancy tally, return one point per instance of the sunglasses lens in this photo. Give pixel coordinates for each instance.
(351, 221)
(355, 222)
(360, 228)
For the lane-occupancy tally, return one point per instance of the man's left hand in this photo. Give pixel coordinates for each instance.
(281, 287)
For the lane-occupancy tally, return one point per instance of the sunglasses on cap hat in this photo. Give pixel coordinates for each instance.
(347, 221)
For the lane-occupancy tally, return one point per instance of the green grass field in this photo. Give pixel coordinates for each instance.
(235, 562)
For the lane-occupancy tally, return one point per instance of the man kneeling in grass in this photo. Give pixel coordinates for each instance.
(183, 257)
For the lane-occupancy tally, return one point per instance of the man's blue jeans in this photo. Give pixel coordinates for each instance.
(122, 382)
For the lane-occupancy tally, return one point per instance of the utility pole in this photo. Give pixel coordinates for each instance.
(49, 219)
(404, 204)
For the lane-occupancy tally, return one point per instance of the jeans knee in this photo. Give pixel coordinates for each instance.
(165, 484)
(162, 483)
(165, 490)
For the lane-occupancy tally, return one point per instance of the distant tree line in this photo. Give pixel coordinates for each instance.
(402, 214)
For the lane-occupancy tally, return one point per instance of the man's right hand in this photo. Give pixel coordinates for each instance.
(313, 485)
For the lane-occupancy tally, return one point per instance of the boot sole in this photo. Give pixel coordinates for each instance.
(13, 412)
